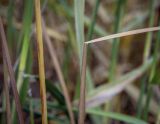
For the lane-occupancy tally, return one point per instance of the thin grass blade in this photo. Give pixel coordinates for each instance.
(6, 90)
(116, 41)
(27, 21)
(41, 62)
(123, 34)
(56, 65)
(116, 116)
(147, 52)
(83, 86)
(11, 73)
(106, 92)
(79, 23)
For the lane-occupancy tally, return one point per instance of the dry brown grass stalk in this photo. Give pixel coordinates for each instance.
(57, 67)
(41, 62)
(118, 35)
(83, 86)
(6, 91)
(11, 73)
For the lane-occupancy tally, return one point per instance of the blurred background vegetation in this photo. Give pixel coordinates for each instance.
(122, 75)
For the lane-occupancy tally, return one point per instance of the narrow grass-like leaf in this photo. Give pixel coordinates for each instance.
(89, 84)
(41, 61)
(146, 107)
(123, 34)
(115, 44)
(54, 91)
(147, 47)
(56, 65)
(106, 92)
(83, 86)
(147, 52)
(10, 29)
(6, 90)
(25, 59)
(11, 73)
(116, 116)
(94, 15)
(79, 23)
(115, 47)
(25, 86)
(141, 97)
(25, 44)
(155, 55)
(80, 38)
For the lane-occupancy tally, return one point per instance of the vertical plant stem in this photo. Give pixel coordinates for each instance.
(41, 62)
(24, 40)
(147, 47)
(56, 65)
(27, 21)
(79, 23)
(147, 102)
(92, 25)
(6, 90)
(79, 7)
(31, 112)
(155, 56)
(10, 29)
(83, 86)
(90, 84)
(153, 69)
(146, 55)
(11, 73)
(115, 45)
(140, 98)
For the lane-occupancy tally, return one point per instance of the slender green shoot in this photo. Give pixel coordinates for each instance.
(79, 23)
(25, 44)
(24, 57)
(92, 25)
(147, 51)
(148, 42)
(115, 44)
(116, 116)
